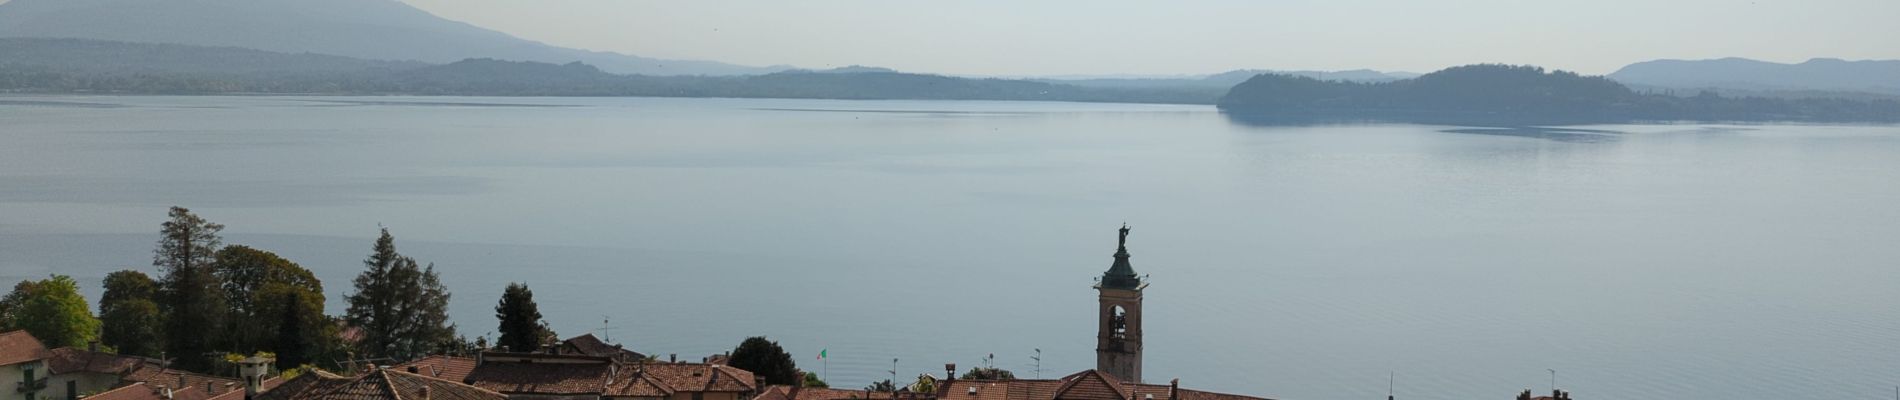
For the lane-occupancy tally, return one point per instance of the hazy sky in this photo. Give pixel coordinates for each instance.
(1021, 37)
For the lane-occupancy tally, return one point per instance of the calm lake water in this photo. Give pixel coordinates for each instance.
(1641, 262)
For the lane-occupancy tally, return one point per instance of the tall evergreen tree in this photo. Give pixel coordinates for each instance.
(54, 312)
(303, 334)
(521, 326)
(129, 314)
(189, 294)
(402, 309)
(765, 358)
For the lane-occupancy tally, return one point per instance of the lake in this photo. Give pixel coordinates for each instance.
(1295, 262)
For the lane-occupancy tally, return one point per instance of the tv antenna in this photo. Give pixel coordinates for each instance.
(1038, 358)
(606, 329)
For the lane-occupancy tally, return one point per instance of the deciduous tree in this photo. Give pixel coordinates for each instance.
(765, 358)
(54, 312)
(128, 312)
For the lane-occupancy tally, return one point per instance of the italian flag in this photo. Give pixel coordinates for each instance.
(821, 353)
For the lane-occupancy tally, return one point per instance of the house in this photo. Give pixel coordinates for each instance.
(449, 368)
(23, 363)
(588, 345)
(71, 374)
(1085, 385)
(378, 384)
(553, 376)
(788, 392)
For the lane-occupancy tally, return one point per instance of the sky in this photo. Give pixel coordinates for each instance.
(1078, 37)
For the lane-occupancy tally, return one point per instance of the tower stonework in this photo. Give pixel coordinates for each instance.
(1118, 342)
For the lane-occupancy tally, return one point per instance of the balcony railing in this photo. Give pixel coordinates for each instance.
(33, 385)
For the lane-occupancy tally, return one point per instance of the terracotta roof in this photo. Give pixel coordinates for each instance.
(454, 369)
(195, 389)
(18, 347)
(159, 376)
(589, 345)
(68, 360)
(785, 392)
(540, 378)
(385, 384)
(699, 377)
(134, 391)
(1037, 389)
(1092, 385)
(315, 381)
(1085, 385)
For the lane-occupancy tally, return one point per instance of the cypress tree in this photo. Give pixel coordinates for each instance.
(521, 326)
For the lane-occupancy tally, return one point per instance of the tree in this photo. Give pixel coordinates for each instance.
(55, 313)
(811, 381)
(882, 386)
(521, 327)
(988, 373)
(402, 309)
(11, 304)
(765, 358)
(129, 314)
(303, 332)
(256, 285)
(189, 298)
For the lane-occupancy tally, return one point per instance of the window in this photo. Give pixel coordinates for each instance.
(72, 390)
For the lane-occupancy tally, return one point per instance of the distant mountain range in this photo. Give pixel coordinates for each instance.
(366, 29)
(1820, 74)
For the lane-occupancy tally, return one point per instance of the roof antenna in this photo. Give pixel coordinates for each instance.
(1390, 378)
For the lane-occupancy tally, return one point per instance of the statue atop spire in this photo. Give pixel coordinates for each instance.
(1123, 244)
(1121, 274)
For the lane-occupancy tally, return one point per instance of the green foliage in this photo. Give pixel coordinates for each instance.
(521, 328)
(401, 308)
(810, 380)
(765, 358)
(189, 293)
(280, 303)
(882, 386)
(53, 311)
(130, 315)
(991, 374)
(11, 304)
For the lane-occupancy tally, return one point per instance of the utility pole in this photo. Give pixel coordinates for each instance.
(1553, 381)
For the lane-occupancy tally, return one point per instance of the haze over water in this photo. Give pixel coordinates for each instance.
(1303, 262)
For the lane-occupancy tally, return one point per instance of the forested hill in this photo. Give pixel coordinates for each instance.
(92, 66)
(1517, 95)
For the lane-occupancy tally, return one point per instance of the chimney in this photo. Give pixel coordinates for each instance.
(414, 370)
(425, 392)
(950, 372)
(673, 358)
(1174, 389)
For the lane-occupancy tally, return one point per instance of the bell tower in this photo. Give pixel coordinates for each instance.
(1118, 342)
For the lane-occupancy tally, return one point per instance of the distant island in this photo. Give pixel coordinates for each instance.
(1508, 95)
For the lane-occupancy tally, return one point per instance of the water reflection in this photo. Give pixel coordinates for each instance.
(1572, 135)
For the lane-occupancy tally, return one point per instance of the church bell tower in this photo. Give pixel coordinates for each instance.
(1118, 344)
